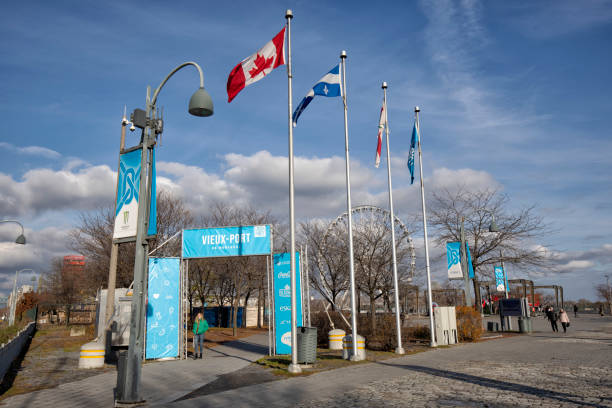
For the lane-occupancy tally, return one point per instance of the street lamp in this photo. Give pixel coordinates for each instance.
(200, 104)
(13, 306)
(21, 238)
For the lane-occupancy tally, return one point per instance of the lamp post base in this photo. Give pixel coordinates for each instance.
(400, 350)
(294, 368)
(125, 404)
(356, 357)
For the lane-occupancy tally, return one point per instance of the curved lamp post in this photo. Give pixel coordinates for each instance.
(13, 306)
(21, 238)
(201, 105)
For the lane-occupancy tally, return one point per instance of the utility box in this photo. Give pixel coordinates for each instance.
(446, 325)
(120, 327)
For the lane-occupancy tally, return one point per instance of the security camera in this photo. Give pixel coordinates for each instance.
(132, 128)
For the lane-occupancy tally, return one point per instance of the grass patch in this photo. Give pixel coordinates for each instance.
(327, 360)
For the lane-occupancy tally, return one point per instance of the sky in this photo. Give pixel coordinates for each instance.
(513, 96)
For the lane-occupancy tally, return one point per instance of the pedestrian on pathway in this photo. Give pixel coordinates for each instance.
(575, 310)
(200, 325)
(564, 319)
(552, 316)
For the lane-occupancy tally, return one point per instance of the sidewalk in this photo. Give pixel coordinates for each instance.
(162, 382)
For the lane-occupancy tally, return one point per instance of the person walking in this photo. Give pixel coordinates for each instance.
(575, 310)
(200, 325)
(564, 319)
(551, 315)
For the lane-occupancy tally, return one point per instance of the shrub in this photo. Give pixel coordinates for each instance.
(469, 323)
(417, 333)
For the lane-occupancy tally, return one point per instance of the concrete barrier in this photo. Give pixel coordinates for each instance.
(11, 350)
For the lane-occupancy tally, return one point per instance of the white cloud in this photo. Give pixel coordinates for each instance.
(32, 150)
(43, 189)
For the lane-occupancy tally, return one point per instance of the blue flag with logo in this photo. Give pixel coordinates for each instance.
(328, 86)
(413, 141)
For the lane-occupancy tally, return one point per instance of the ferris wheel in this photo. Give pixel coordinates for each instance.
(369, 219)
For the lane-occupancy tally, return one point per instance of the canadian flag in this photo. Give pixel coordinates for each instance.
(381, 126)
(257, 66)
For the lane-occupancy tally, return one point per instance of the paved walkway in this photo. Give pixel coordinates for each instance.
(545, 370)
(162, 382)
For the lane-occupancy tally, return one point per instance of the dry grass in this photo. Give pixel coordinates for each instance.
(327, 360)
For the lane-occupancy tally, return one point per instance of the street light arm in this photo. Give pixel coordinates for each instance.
(15, 221)
(21, 238)
(154, 99)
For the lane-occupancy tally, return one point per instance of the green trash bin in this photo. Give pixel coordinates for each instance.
(306, 345)
(522, 323)
(528, 324)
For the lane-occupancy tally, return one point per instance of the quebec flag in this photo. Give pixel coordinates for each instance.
(328, 86)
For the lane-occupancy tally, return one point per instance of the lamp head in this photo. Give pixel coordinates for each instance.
(201, 103)
(20, 240)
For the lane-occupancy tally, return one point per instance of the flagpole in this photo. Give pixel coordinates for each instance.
(294, 367)
(399, 349)
(431, 318)
(355, 356)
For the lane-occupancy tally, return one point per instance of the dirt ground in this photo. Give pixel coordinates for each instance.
(53, 357)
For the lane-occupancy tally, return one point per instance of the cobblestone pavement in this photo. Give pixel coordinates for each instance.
(525, 385)
(544, 369)
(564, 371)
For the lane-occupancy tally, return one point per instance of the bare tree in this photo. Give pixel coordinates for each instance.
(63, 285)
(93, 238)
(245, 273)
(328, 261)
(514, 243)
(604, 291)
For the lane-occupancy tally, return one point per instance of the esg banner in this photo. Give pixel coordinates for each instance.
(282, 300)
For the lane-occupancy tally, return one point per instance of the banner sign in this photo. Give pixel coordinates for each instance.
(227, 241)
(469, 261)
(453, 259)
(499, 279)
(162, 336)
(282, 300)
(128, 189)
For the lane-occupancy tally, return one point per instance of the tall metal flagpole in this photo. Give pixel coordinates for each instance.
(355, 356)
(429, 301)
(294, 366)
(398, 324)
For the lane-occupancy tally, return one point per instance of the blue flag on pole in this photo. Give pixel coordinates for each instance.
(413, 142)
(328, 86)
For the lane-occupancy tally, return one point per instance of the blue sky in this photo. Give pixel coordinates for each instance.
(513, 95)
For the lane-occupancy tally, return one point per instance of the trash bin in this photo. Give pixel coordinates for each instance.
(522, 323)
(528, 324)
(306, 345)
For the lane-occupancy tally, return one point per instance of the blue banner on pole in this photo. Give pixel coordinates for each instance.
(227, 241)
(469, 261)
(128, 189)
(453, 260)
(499, 279)
(282, 300)
(162, 337)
